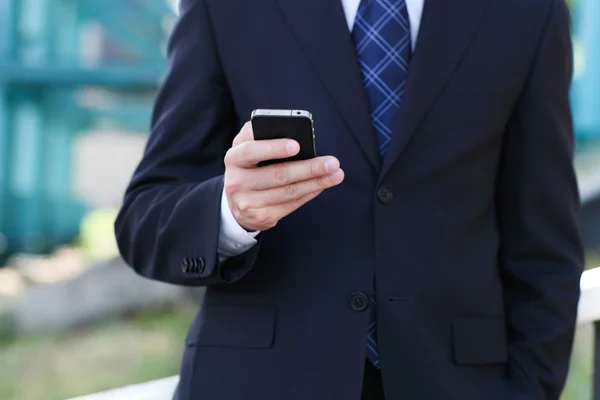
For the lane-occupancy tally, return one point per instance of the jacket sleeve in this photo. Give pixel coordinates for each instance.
(168, 226)
(541, 252)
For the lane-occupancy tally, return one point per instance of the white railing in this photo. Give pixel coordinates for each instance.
(589, 312)
(161, 389)
(589, 303)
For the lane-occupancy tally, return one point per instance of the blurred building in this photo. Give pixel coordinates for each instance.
(77, 79)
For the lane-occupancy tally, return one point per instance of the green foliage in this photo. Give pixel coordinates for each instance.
(579, 382)
(55, 367)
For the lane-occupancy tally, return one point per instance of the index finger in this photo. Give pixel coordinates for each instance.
(246, 134)
(249, 154)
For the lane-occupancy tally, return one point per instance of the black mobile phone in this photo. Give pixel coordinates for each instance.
(286, 124)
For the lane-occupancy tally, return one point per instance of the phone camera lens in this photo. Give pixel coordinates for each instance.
(298, 112)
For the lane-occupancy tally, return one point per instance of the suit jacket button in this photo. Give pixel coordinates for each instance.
(385, 195)
(201, 264)
(185, 265)
(359, 302)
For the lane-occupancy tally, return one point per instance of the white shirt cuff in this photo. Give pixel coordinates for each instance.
(233, 239)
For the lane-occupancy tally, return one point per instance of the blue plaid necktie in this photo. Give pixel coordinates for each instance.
(383, 48)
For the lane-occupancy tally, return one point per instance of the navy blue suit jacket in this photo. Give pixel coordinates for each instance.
(468, 226)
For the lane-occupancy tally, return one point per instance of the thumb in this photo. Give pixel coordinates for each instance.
(246, 134)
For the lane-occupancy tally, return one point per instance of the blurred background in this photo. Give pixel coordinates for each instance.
(77, 81)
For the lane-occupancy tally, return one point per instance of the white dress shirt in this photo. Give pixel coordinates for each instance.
(235, 240)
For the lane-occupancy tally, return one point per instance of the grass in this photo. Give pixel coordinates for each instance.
(592, 260)
(106, 356)
(579, 381)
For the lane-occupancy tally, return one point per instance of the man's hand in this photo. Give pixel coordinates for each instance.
(260, 196)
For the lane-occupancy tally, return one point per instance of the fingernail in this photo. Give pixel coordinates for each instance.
(338, 176)
(331, 165)
(291, 147)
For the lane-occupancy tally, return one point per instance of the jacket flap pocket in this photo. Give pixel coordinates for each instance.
(480, 340)
(233, 326)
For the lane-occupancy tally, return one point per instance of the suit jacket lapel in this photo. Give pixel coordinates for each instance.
(447, 27)
(322, 32)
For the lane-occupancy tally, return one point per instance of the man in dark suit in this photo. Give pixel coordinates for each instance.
(443, 261)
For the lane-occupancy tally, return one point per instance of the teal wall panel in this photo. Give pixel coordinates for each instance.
(34, 31)
(4, 158)
(7, 51)
(26, 164)
(61, 213)
(41, 71)
(586, 86)
(65, 24)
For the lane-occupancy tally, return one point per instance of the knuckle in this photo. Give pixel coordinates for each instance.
(229, 157)
(244, 205)
(245, 150)
(238, 215)
(279, 174)
(314, 169)
(262, 217)
(268, 222)
(231, 186)
(323, 182)
(290, 191)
